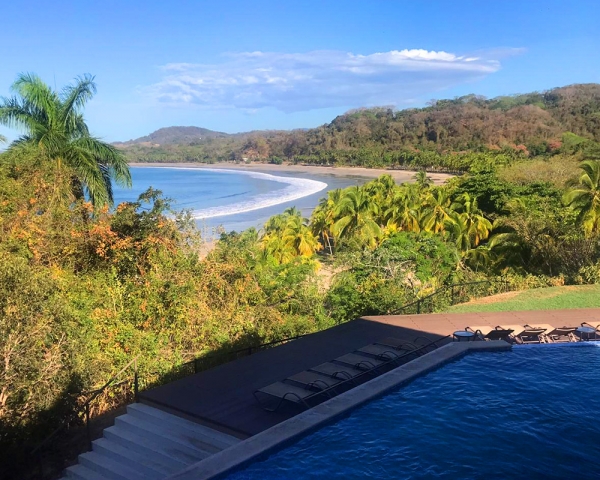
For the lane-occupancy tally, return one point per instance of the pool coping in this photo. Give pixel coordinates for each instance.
(260, 445)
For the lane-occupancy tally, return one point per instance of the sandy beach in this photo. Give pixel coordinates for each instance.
(400, 176)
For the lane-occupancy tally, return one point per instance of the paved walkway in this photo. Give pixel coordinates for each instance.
(222, 397)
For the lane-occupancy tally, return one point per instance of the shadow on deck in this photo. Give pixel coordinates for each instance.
(222, 397)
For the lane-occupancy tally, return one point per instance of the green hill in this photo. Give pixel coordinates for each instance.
(529, 125)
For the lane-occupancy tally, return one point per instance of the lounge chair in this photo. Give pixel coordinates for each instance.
(500, 333)
(381, 352)
(282, 392)
(480, 331)
(315, 380)
(335, 370)
(421, 347)
(400, 345)
(543, 337)
(361, 362)
(491, 333)
(562, 335)
(532, 334)
(516, 331)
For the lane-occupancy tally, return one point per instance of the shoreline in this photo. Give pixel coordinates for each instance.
(400, 176)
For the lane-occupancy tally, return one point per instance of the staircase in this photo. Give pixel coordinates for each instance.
(148, 443)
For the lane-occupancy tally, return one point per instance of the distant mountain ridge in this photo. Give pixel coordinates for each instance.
(530, 124)
(176, 136)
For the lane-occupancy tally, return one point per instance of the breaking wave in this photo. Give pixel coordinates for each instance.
(296, 188)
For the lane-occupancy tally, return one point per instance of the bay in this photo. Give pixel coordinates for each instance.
(233, 200)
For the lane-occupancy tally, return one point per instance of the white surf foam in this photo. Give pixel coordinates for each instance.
(296, 188)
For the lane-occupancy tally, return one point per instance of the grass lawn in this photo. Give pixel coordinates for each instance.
(552, 298)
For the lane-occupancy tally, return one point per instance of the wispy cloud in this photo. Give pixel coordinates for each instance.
(319, 79)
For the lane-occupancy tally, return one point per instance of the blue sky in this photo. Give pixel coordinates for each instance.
(236, 66)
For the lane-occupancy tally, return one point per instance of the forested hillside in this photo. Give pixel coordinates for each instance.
(526, 125)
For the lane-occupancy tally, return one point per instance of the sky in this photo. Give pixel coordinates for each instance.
(236, 66)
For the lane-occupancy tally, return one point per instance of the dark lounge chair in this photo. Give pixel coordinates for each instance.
(489, 333)
(480, 331)
(403, 346)
(381, 352)
(516, 331)
(532, 334)
(315, 380)
(281, 392)
(361, 362)
(562, 335)
(326, 380)
(335, 370)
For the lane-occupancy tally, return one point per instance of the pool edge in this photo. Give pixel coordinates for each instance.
(247, 451)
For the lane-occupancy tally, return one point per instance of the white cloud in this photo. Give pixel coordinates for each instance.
(319, 79)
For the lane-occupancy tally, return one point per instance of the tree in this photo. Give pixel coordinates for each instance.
(405, 209)
(466, 224)
(422, 180)
(287, 236)
(437, 210)
(54, 125)
(354, 217)
(323, 218)
(584, 197)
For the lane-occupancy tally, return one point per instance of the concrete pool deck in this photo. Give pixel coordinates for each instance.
(268, 441)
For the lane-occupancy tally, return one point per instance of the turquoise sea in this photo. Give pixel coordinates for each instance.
(233, 199)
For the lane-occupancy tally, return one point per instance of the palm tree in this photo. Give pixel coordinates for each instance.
(584, 196)
(478, 227)
(437, 210)
(422, 179)
(322, 218)
(298, 236)
(404, 210)
(53, 124)
(287, 236)
(354, 217)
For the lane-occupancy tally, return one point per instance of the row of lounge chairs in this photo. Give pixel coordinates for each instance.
(310, 387)
(537, 333)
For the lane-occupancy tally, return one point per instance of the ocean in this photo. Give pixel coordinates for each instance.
(233, 200)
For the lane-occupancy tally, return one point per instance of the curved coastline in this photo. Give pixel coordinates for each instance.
(296, 188)
(398, 175)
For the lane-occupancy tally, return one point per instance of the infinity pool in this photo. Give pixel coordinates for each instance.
(530, 413)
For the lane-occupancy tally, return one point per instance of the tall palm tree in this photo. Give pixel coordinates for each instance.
(404, 210)
(584, 196)
(478, 227)
(354, 217)
(437, 210)
(52, 123)
(287, 236)
(323, 218)
(422, 179)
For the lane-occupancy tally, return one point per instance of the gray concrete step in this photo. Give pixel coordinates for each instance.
(146, 461)
(169, 432)
(134, 441)
(79, 472)
(148, 443)
(219, 439)
(110, 469)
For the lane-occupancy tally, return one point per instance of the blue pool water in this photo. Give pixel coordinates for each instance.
(529, 413)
